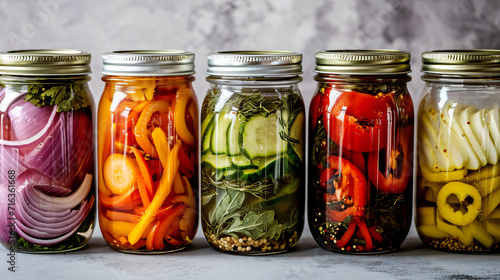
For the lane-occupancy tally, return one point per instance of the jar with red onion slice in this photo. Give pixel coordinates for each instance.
(47, 185)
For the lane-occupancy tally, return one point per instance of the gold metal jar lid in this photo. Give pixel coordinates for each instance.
(363, 62)
(461, 62)
(148, 63)
(45, 62)
(254, 64)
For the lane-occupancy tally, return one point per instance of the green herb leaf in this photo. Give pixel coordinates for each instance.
(66, 97)
(253, 224)
(227, 204)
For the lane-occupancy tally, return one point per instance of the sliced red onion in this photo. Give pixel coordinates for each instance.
(26, 119)
(66, 202)
(38, 214)
(53, 240)
(44, 183)
(9, 98)
(30, 141)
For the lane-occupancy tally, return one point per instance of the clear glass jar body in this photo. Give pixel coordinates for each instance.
(47, 163)
(148, 163)
(458, 164)
(252, 168)
(360, 163)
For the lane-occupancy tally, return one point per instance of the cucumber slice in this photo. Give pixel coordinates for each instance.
(242, 162)
(233, 132)
(221, 125)
(250, 175)
(260, 137)
(207, 128)
(218, 163)
(297, 132)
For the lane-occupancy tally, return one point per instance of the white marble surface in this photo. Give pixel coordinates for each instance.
(204, 26)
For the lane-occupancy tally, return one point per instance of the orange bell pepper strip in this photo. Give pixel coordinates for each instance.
(150, 239)
(120, 227)
(189, 190)
(164, 188)
(141, 130)
(143, 192)
(104, 129)
(126, 201)
(121, 216)
(193, 112)
(180, 119)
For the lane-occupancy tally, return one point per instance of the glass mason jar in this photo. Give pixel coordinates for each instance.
(252, 159)
(47, 189)
(361, 151)
(148, 151)
(458, 134)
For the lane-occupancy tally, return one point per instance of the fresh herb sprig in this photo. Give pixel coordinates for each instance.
(66, 97)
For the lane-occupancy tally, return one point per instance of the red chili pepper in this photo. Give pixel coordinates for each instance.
(358, 121)
(397, 169)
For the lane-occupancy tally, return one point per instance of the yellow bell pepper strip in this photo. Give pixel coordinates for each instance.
(138, 108)
(444, 176)
(431, 231)
(487, 186)
(426, 220)
(121, 227)
(480, 234)
(464, 237)
(187, 221)
(462, 191)
(494, 215)
(485, 172)
(165, 186)
(141, 130)
(490, 203)
(189, 190)
(180, 119)
(104, 130)
(178, 185)
(426, 210)
(493, 228)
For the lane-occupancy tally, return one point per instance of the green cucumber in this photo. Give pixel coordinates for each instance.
(207, 128)
(250, 175)
(218, 163)
(242, 162)
(297, 133)
(233, 132)
(221, 125)
(260, 137)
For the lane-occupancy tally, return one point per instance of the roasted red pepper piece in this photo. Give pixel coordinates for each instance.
(358, 121)
(397, 169)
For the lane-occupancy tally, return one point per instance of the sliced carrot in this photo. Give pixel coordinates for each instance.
(146, 174)
(143, 191)
(120, 173)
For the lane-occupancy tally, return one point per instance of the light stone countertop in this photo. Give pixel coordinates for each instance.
(306, 261)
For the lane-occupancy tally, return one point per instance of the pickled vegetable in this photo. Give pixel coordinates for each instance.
(252, 170)
(148, 163)
(458, 168)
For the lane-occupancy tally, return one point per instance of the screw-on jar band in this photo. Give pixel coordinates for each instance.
(148, 63)
(461, 62)
(254, 64)
(45, 62)
(362, 62)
